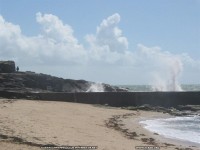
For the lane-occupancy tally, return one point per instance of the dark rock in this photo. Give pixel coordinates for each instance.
(108, 87)
(34, 82)
(189, 107)
(7, 66)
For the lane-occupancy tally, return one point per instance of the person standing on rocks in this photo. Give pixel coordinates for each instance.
(17, 69)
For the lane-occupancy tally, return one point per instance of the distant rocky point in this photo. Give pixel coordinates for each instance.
(12, 80)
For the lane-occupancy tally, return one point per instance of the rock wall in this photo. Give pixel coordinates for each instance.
(117, 99)
(121, 99)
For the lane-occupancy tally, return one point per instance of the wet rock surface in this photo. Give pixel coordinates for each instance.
(180, 110)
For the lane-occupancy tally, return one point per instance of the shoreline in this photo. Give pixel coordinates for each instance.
(30, 124)
(172, 140)
(150, 138)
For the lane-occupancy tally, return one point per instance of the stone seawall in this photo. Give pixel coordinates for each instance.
(118, 99)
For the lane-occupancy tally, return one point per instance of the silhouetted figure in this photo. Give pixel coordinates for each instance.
(17, 68)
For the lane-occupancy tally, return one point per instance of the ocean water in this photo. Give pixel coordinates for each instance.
(180, 128)
(148, 88)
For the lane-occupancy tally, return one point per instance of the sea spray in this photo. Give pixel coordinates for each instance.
(96, 87)
(163, 68)
(169, 80)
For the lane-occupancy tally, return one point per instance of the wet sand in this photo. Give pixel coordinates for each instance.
(26, 124)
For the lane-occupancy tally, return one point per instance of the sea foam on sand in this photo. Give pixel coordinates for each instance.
(181, 128)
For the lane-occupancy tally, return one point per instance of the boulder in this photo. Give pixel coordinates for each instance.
(7, 66)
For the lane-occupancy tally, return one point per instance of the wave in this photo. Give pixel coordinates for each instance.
(181, 128)
(96, 87)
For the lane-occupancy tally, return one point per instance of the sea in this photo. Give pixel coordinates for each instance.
(185, 128)
(180, 128)
(148, 88)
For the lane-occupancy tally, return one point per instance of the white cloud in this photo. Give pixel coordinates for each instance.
(108, 44)
(108, 51)
(55, 45)
(54, 29)
(8, 33)
(108, 34)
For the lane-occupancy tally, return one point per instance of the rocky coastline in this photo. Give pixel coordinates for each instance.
(38, 86)
(13, 80)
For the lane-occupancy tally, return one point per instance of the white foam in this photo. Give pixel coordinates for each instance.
(169, 80)
(182, 128)
(96, 87)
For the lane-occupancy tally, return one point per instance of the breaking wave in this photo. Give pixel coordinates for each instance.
(96, 87)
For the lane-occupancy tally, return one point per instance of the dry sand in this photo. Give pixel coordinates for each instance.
(27, 125)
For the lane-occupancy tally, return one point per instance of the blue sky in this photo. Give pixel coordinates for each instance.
(173, 26)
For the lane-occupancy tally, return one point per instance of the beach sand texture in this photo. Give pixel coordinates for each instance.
(27, 124)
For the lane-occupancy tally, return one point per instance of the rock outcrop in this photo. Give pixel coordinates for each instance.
(7, 66)
(10, 80)
(34, 82)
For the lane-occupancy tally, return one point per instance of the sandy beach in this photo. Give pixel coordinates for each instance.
(27, 124)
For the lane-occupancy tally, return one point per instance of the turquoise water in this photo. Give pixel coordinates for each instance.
(148, 88)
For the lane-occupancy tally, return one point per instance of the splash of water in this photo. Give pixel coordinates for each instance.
(96, 87)
(169, 81)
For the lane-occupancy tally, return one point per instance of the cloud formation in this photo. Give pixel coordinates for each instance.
(108, 44)
(109, 36)
(56, 45)
(54, 29)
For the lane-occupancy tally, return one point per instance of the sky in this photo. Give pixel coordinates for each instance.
(116, 42)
